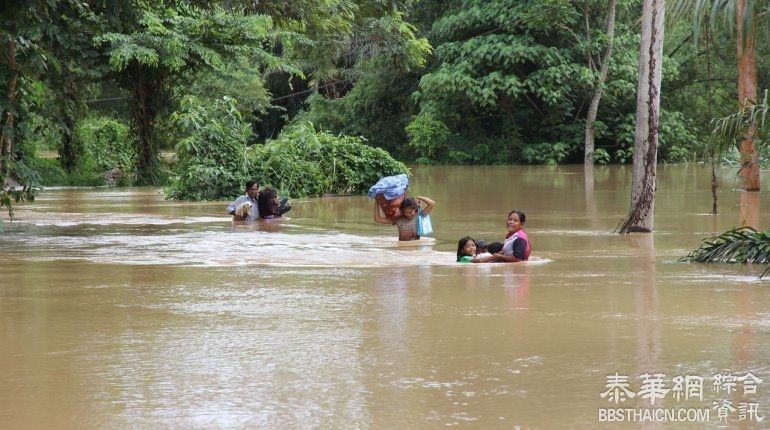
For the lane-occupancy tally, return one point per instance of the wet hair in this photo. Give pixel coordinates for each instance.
(408, 203)
(494, 247)
(265, 202)
(251, 183)
(461, 244)
(521, 215)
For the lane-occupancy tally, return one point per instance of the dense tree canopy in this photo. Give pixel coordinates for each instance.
(430, 81)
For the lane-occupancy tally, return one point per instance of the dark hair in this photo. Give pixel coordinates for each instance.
(408, 203)
(461, 245)
(265, 203)
(494, 247)
(250, 183)
(521, 215)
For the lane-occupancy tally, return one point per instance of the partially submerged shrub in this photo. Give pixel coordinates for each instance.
(106, 145)
(304, 162)
(211, 160)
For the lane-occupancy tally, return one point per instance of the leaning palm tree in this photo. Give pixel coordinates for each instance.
(743, 18)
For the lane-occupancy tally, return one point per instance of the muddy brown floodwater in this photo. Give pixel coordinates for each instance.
(119, 309)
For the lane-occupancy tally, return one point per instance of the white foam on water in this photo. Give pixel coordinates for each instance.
(241, 247)
(109, 218)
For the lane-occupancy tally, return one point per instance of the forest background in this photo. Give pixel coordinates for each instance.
(324, 96)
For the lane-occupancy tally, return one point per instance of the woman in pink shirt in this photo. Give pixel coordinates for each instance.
(516, 247)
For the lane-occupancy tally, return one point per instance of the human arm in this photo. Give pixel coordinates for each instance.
(428, 204)
(516, 252)
(380, 219)
(500, 258)
(234, 205)
(484, 259)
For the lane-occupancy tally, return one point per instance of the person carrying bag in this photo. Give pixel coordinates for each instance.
(424, 224)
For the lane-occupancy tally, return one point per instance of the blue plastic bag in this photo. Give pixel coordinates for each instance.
(392, 187)
(424, 225)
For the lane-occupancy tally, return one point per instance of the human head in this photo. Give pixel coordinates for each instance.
(466, 246)
(252, 188)
(409, 208)
(481, 246)
(494, 247)
(515, 221)
(266, 203)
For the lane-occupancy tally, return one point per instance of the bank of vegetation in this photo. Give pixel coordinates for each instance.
(322, 96)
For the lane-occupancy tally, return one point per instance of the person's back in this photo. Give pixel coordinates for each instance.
(269, 206)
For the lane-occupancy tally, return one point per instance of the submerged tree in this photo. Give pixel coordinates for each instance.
(640, 217)
(743, 18)
(730, 130)
(604, 68)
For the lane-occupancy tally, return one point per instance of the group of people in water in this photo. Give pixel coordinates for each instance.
(514, 248)
(264, 204)
(258, 204)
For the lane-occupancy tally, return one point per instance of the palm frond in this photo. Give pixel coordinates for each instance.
(730, 130)
(740, 245)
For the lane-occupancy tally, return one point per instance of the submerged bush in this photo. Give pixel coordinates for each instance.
(105, 144)
(211, 159)
(304, 162)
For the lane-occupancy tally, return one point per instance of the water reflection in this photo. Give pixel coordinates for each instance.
(648, 342)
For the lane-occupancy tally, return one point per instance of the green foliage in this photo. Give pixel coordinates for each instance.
(601, 156)
(428, 136)
(211, 158)
(720, 12)
(363, 59)
(24, 185)
(375, 108)
(175, 38)
(730, 130)
(304, 162)
(740, 245)
(551, 153)
(165, 45)
(51, 172)
(508, 76)
(107, 144)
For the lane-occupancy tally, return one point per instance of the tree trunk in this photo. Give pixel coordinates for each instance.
(68, 154)
(144, 97)
(68, 101)
(640, 217)
(7, 127)
(747, 95)
(593, 108)
(714, 182)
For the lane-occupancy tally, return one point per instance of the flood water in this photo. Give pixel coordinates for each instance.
(119, 309)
